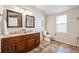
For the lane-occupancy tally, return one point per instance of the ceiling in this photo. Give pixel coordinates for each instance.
(54, 9)
(50, 9)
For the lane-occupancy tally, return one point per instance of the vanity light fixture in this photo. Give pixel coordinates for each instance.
(19, 9)
(28, 12)
(16, 8)
(23, 10)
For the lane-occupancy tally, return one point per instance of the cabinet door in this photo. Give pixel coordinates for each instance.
(37, 37)
(8, 46)
(20, 46)
(30, 43)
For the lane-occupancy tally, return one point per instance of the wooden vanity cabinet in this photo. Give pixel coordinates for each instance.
(30, 44)
(33, 41)
(20, 44)
(7, 45)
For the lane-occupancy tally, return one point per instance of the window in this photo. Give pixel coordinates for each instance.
(61, 23)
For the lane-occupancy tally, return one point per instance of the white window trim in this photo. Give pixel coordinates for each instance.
(61, 23)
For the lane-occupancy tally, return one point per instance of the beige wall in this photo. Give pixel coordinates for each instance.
(1, 17)
(72, 27)
(51, 24)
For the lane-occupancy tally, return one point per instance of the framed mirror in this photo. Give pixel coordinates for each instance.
(14, 19)
(30, 21)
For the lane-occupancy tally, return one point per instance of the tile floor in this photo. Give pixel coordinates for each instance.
(54, 47)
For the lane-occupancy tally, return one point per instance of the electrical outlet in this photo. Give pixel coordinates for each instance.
(55, 34)
(77, 41)
(77, 18)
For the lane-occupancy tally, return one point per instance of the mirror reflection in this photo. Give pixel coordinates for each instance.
(30, 21)
(14, 19)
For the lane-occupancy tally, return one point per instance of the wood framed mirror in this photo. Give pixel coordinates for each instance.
(30, 21)
(14, 19)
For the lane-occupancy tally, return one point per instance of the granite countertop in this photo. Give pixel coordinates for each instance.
(13, 35)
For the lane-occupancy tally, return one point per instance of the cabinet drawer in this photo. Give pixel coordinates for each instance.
(9, 49)
(6, 42)
(30, 42)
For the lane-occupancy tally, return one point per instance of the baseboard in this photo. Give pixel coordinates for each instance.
(66, 43)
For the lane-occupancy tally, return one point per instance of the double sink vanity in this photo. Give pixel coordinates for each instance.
(22, 42)
(19, 43)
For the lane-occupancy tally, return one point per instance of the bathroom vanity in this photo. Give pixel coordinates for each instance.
(19, 43)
